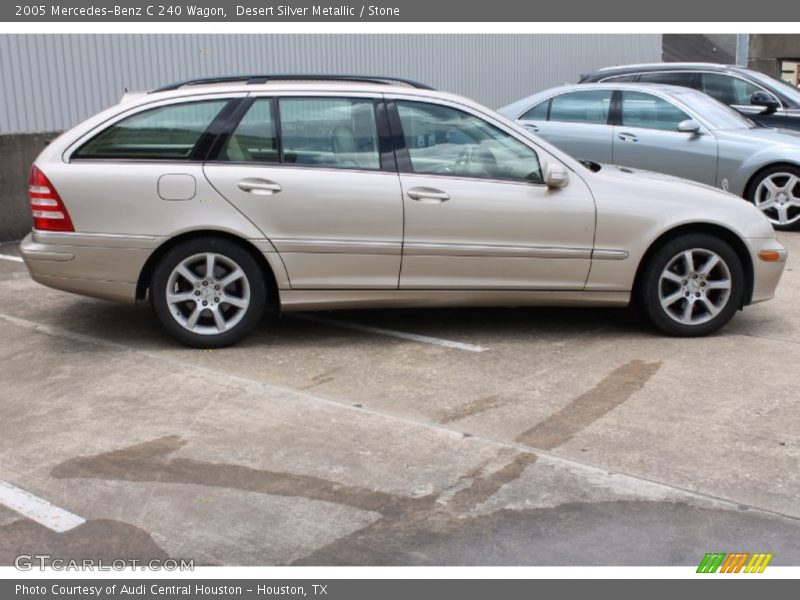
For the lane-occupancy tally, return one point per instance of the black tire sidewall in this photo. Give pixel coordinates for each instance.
(183, 250)
(751, 191)
(648, 289)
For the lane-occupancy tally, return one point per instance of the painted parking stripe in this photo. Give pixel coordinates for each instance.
(424, 339)
(37, 509)
(11, 258)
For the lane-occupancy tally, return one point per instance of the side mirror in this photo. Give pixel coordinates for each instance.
(762, 98)
(689, 126)
(555, 175)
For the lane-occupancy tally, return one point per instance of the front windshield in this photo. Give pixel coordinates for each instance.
(716, 114)
(786, 89)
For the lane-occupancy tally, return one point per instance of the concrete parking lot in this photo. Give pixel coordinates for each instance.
(502, 436)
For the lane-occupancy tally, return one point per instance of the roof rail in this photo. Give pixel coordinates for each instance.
(256, 79)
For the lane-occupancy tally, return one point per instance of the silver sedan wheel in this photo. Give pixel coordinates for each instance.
(778, 197)
(208, 293)
(695, 286)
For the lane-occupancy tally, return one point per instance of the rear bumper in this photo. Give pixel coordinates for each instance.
(766, 274)
(105, 267)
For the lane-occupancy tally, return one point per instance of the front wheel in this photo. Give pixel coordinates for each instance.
(776, 193)
(208, 293)
(692, 285)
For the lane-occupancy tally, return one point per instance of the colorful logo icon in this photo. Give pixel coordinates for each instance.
(737, 562)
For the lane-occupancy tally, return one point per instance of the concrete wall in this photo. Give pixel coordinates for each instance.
(768, 49)
(17, 152)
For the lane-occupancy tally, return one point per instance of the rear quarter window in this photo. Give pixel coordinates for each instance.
(164, 133)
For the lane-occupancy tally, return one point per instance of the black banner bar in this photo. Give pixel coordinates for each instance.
(399, 11)
(730, 588)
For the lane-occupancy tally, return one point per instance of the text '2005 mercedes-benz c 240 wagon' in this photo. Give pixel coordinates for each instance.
(221, 198)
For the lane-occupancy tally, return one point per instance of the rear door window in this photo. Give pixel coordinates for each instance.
(582, 107)
(329, 132)
(164, 133)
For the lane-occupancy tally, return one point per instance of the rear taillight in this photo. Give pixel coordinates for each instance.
(49, 212)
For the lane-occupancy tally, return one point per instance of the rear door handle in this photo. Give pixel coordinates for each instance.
(261, 187)
(628, 137)
(426, 194)
(532, 127)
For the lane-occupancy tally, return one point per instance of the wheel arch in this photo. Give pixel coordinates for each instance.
(719, 231)
(273, 294)
(760, 171)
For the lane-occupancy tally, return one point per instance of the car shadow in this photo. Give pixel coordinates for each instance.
(136, 326)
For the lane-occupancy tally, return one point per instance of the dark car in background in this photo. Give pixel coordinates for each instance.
(765, 100)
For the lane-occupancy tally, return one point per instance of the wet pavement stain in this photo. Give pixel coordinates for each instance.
(150, 461)
(471, 408)
(444, 528)
(614, 389)
(99, 539)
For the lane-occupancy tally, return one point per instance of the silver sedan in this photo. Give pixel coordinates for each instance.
(672, 130)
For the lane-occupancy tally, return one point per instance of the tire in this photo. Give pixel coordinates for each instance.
(208, 310)
(776, 193)
(667, 285)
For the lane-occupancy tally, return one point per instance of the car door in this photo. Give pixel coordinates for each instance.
(477, 214)
(648, 138)
(576, 122)
(316, 181)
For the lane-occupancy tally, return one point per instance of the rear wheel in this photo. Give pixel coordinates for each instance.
(692, 285)
(208, 293)
(776, 193)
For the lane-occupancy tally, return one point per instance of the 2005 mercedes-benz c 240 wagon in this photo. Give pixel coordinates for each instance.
(221, 198)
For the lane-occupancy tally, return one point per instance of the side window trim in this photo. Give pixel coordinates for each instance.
(386, 147)
(402, 157)
(615, 112)
(223, 127)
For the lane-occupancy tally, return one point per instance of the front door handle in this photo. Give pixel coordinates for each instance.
(628, 137)
(532, 127)
(427, 194)
(261, 187)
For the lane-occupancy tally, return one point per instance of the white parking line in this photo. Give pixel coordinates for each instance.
(391, 332)
(37, 509)
(11, 258)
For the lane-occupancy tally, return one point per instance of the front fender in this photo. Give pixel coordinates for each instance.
(739, 178)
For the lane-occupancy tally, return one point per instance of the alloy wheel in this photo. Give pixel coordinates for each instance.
(208, 293)
(778, 197)
(695, 286)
